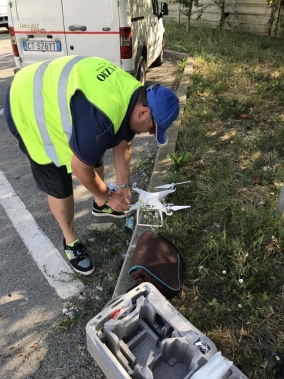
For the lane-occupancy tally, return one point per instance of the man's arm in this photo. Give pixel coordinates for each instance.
(122, 156)
(89, 179)
(97, 187)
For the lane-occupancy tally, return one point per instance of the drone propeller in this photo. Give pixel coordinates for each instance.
(172, 184)
(178, 207)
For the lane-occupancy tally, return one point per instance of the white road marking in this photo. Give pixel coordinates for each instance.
(49, 260)
(1, 111)
(4, 56)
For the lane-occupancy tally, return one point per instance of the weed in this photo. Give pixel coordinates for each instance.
(181, 64)
(179, 160)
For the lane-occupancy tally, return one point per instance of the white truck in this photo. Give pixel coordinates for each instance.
(129, 33)
(3, 14)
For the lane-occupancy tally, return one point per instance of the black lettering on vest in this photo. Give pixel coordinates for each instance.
(109, 70)
(102, 77)
(105, 73)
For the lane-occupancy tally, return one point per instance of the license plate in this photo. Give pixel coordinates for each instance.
(41, 46)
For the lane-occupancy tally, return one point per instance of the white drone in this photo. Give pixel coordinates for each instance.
(153, 202)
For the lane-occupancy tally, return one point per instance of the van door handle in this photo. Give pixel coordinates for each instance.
(82, 28)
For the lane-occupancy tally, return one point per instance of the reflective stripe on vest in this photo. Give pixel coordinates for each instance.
(39, 112)
(40, 102)
(62, 102)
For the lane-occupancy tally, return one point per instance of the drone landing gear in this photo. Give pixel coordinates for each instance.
(160, 216)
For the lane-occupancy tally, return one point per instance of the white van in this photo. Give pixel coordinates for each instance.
(3, 14)
(129, 33)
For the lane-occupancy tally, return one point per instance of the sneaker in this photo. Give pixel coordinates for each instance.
(78, 257)
(106, 211)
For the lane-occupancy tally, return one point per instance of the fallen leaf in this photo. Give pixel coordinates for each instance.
(203, 94)
(244, 333)
(257, 179)
(34, 346)
(241, 117)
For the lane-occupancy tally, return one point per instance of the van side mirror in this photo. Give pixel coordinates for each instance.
(164, 9)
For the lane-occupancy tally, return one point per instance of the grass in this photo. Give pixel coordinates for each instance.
(231, 147)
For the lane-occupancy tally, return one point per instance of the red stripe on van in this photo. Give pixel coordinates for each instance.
(58, 32)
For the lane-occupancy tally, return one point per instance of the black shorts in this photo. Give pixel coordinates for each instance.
(50, 179)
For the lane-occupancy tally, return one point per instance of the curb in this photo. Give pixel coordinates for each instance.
(162, 163)
(174, 54)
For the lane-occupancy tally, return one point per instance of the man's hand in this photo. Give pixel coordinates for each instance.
(118, 202)
(125, 192)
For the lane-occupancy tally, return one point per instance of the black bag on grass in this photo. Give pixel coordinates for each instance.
(158, 261)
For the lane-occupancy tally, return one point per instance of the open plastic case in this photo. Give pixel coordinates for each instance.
(141, 335)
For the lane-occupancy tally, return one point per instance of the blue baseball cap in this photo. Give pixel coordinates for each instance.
(164, 106)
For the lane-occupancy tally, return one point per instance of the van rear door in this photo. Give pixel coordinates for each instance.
(155, 36)
(39, 30)
(92, 28)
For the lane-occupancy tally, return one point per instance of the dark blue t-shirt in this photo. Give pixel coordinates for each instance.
(92, 132)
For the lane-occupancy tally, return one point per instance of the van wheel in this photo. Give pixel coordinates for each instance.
(141, 71)
(159, 61)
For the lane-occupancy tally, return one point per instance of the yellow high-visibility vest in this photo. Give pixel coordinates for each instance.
(40, 102)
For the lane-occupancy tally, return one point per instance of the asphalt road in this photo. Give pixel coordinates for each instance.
(31, 296)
